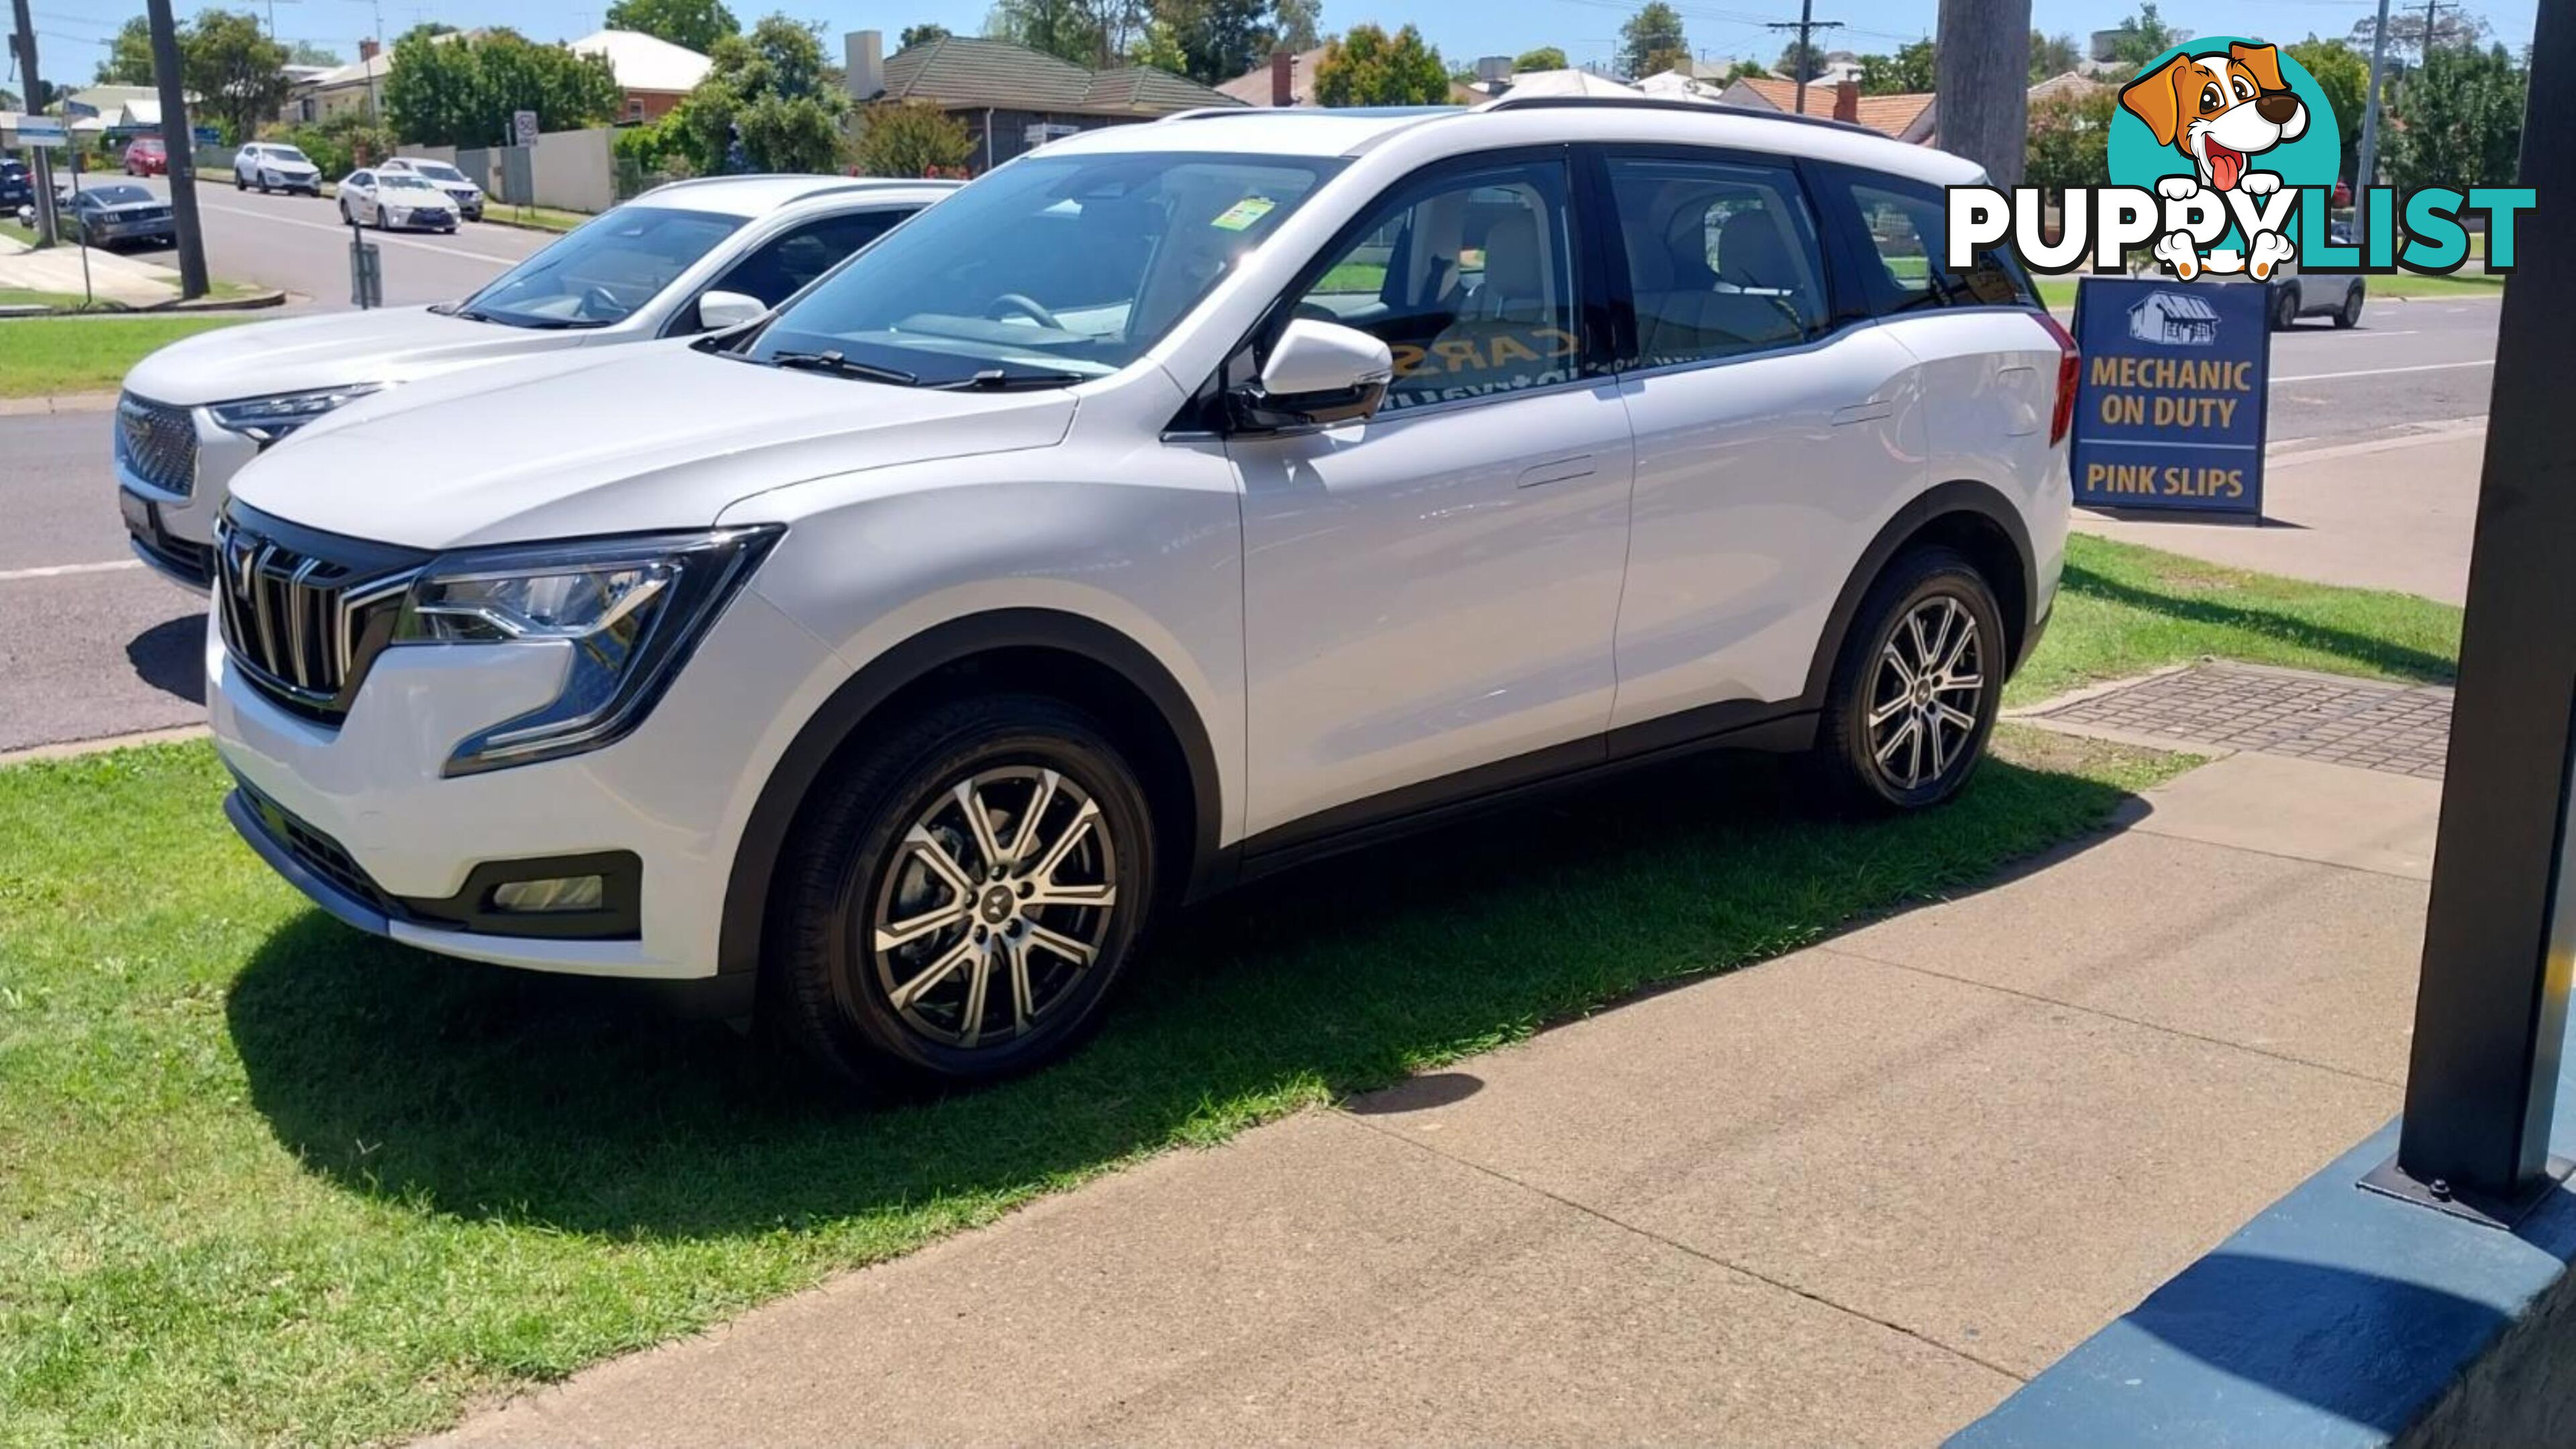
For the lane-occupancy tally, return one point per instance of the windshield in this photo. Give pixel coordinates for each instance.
(287, 154)
(604, 271)
(1060, 267)
(435, 171)
(403, 181)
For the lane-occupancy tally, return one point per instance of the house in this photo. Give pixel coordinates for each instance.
(1907, 117)
(1563, 83)
(1014, 99)
(1288, 79)
(655, 74)
(357, 88)
(2174, 319)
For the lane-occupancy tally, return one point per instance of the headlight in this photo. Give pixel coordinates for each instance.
(629, 610)
(268, 419)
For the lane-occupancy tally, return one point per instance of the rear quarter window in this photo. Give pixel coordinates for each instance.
(1898, 236)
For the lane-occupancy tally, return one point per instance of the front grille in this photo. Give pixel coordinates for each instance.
(157, 443)
(303, 614)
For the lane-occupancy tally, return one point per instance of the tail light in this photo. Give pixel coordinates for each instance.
(2070, 371)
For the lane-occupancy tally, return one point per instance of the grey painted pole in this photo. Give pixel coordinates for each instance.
(1981, 66)
(179, 143)
(2362, 178)
(48, 226)
(2492, 1002)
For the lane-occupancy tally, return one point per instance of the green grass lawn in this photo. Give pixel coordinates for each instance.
(265, 1180)
(42, 356)
(543, 218)
(22, 297)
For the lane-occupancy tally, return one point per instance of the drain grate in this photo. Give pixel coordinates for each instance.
(2402, 729)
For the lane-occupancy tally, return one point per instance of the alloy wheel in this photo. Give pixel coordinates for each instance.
(1925, 693)
(998, 900)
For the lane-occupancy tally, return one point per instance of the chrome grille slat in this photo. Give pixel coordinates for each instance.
(157, 443)
(303, 625)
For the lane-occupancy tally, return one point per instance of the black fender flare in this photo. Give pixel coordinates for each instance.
(847, 710)
(1960, 495)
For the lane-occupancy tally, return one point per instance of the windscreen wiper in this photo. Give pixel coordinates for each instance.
(834, 362)
(1003, 379)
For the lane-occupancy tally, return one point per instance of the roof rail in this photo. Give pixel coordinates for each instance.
(1509, 102)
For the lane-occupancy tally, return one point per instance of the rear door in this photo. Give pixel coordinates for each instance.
(1774, 426)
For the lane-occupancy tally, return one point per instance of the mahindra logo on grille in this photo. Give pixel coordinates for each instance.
(302, 626)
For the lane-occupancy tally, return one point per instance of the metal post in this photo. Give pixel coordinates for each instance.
(2492, 1003)
(48, 226)
(1806, 24)
(2370, 113)
(179, 144)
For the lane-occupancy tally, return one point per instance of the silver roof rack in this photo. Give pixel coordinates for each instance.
(1509, 102)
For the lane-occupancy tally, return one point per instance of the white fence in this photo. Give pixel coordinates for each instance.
(573, 170)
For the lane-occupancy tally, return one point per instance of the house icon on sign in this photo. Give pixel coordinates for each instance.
(2174, 319)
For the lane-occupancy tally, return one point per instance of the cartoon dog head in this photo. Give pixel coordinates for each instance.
(2219, 109)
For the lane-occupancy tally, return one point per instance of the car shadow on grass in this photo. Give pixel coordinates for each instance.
(489, 1093)
(2400, 660)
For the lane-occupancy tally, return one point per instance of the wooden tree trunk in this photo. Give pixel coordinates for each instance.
(1982, 70)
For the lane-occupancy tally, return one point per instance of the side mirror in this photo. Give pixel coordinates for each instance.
(1319, 374)
(720, 310)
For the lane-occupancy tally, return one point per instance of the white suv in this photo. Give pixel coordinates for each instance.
(275, 166)
(1172, 504)
(679, 259)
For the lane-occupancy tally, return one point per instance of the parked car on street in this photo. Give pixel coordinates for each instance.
(146, 156)
(678, 260)
(1173, 504)
(275, 166)
(2317, 294)
(389, 199)
(17, 186)
(120, 214)
(467, 196)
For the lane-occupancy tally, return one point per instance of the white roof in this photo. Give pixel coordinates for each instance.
(1672, 83)
(756, 195)
(355, 73)
(646, 62)
(1567, 83)
(141, 113)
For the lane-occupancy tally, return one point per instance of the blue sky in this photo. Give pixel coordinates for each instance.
(69, 30)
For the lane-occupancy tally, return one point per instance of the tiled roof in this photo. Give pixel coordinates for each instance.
(961, 73)
(1253, 86)
(1895, 115)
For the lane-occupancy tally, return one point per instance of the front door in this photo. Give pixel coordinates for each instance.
(1435, 590)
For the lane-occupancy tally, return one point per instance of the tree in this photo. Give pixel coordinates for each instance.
(922, 34)
(1654, 29)
(2406, 31)
(1366, 67)
(2343, 73)
(1085, 32)
(2052, 55)
(1908, 72)
(461, 91)
(1297, 21)
(772, 95)
(1546, 57)
(1213, 40)
(693, 24)
(2070, 137)
(912, 138)
(1800, 60)
(235, 69)
(2142, 37)
(1746, 68)
(2458, 120)
(129, 55)
(306, 52)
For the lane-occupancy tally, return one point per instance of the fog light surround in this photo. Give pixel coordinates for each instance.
(551, 895)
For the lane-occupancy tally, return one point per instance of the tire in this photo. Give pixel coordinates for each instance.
(2285, 309)
(345, 218)
(238, 183)
(852, 867)
(2349, 314)
(1937, 586)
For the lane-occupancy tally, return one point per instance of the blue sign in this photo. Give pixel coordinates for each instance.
(2171, 412)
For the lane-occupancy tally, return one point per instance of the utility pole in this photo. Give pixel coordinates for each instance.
(1981, 65)
(2369, 171)
(1804, 25)
(47, 232)
(179, 142)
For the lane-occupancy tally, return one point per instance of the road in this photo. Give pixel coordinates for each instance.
(93, 646)
(298, 244)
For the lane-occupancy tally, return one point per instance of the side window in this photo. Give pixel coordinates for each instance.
(1468, 277)
(1722, 258)
(781, 266)
(1905, 231)
(361, 178)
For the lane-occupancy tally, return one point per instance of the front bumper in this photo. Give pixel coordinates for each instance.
(361, 817)
(172, 529)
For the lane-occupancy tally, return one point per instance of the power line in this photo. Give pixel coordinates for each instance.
(1805, 24)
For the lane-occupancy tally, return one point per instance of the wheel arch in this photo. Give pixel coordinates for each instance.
(1975, 518)
(1046, 650)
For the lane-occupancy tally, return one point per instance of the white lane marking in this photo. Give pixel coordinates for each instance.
(2383, 371)
(57, 571)
(400, 241)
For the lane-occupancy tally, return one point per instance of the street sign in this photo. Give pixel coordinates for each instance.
(2170, 414)
(523, 126)
(207, 135)
(42, 131)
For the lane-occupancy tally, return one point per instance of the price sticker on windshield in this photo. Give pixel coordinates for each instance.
(1241, 215)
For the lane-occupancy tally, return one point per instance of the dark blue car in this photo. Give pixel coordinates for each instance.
(17, 188)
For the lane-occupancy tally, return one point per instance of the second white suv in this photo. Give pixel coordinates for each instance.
(677, 260)
(1173, 504)
(275, 166)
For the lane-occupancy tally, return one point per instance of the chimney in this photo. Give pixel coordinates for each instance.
(1847, 100)
(366, 50)
(1283, 78)
(863, 61)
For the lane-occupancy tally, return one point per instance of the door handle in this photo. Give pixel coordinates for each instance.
(1862, 412)
(1557, 470)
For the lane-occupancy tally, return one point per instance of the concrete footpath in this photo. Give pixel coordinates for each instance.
(2393, 512)
(1853, 1196)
